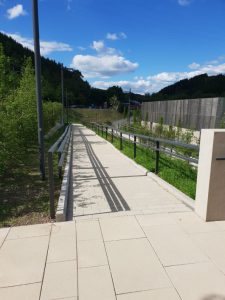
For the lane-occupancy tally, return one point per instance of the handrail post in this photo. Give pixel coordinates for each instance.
(98, 129)
(121, 141)
(102, 130)
(106, 132)
(135, 146)
(51, 185)
(112, 136)
(157, 158)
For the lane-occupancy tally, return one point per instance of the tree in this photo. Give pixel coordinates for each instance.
(114, 103)
(5, 76)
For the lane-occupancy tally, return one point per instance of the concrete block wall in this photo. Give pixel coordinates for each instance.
(192, 113)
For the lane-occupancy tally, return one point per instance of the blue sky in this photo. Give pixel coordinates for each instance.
(139, 44)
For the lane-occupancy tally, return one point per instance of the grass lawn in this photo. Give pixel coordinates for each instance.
(24, 196)
(82, 115)
(178, 173)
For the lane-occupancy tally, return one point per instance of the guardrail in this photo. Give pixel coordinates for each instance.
(159, 145)
(60, 147)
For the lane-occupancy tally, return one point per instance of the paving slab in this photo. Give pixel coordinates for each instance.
(191, 223)
(60, 280)
(100, 285)
(155, 219)
(22, 261)
(120, 228)
(135, 266)
(21, 292)
(63, 228)
(29, 231)
(3, 234)
(62, 248)
(173, 246)
(159, 294)
(202, 281)
(213, 245)
(221, 224)
(89, 230)
(91, 254)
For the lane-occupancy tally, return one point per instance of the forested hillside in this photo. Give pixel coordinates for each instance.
(79, 91)
(201, 86)
(51, 71)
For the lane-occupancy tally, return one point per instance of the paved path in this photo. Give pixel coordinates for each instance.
(105, 181)
(129, 242)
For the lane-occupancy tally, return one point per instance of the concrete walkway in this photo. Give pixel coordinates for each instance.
(105, 181)
(129, 240)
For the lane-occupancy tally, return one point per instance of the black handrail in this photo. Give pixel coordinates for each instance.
(121, 134)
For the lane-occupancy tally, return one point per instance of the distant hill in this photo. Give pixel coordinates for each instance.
(201, 86)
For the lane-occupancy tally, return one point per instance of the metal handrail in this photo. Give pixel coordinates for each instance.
(157, 148)
(51, 151)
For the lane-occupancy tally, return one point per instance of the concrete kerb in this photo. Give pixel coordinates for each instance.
(172, 190)
(165, 185)
(61, 212)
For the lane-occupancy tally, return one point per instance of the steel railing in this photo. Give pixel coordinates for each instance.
(159, 145)
(60, 147)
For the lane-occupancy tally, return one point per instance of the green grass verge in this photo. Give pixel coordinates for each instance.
(85, 115)
(178, 173)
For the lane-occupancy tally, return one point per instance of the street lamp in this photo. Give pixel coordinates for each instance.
(62, 87)
(37, 58)
(126, 92)
(67, 106)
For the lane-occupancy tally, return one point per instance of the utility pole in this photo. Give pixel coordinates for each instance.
(129, 109)
(67, 112)
(62, 86)
(37, 58)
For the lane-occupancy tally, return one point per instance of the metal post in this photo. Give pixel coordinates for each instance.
(67, 107)
(37, 59)
(129, 110)
(112, 136)
(102, 130)
(98, 128)
(51, 185)
(121, 141)
(62, 87)
(106, 133)
(135, 146)
(157, 158)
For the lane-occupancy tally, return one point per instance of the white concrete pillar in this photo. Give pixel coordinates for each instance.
(210, 193)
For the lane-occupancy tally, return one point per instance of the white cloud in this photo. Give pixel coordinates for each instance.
(16, 11)
(103, 66)
(116, 36)
(101, 49)
(156, 82)
(69, 4)
(81, 48)
(123, 35)
(45, 46)
(137, 86)
(105, 63)
(184, 2)
(193, 66)
(112, 36)
(99, 46)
